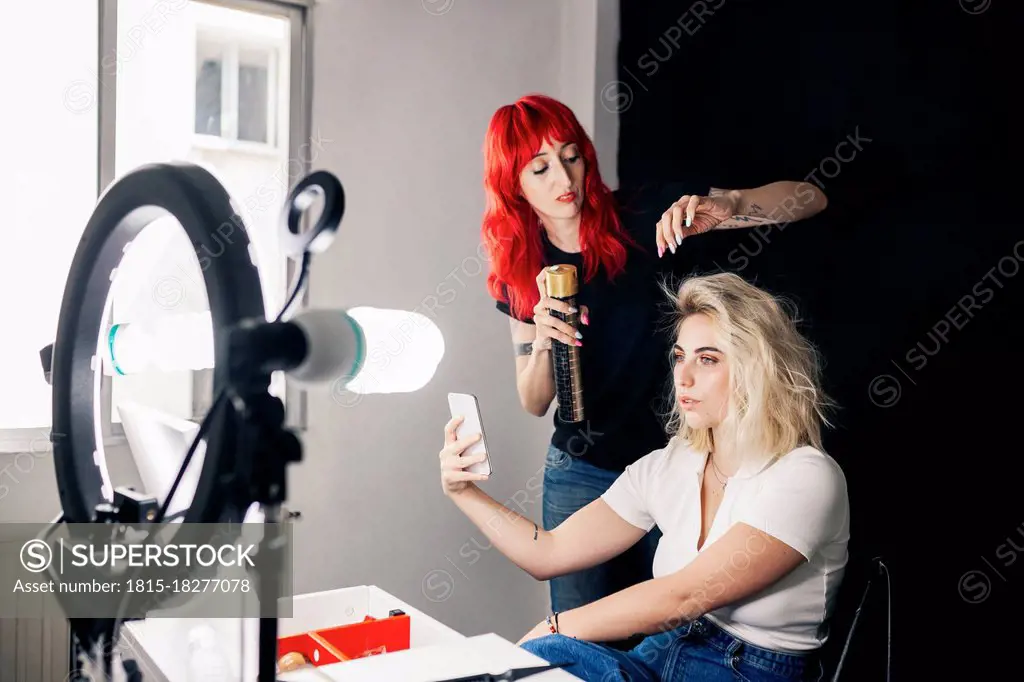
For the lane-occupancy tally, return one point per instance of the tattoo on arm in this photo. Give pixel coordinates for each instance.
(756, 210)
(524, 348)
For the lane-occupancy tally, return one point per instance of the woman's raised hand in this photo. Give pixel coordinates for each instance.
(549, 327)
(692, 214)
(453, 478)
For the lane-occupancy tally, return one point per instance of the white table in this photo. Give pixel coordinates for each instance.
(158, 648)
(160, 645)
(481, 654)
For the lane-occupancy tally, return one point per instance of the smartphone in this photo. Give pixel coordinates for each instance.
(467, 406)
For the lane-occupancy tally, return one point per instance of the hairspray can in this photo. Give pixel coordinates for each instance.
(563, 284)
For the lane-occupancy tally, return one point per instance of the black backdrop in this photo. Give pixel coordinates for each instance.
(922, 214)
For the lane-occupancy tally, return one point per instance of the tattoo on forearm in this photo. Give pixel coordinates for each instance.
(756, 210)
(747, 221)
(524, 348)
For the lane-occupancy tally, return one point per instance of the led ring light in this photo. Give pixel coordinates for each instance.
(202, 206)
(247, 446)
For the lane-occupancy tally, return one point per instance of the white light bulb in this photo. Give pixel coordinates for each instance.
(167, 343)
(403, 350)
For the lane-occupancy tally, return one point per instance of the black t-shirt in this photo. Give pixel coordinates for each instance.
(626, 372)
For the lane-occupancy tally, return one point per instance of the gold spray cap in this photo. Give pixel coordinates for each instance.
(561, 281)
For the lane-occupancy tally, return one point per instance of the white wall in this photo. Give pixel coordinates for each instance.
(402, 101)
(46, 143)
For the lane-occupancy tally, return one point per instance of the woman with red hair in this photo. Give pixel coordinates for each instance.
(546, 205)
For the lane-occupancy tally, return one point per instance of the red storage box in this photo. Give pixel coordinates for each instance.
(320, 621)
(369, 637)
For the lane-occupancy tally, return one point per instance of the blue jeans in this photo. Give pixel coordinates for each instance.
(698, 651)
(569, 485)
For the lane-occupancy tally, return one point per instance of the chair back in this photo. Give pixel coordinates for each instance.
(853, 643)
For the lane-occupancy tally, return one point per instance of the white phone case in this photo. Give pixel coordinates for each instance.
(467, 406)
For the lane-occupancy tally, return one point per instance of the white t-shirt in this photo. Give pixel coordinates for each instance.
(800, 498)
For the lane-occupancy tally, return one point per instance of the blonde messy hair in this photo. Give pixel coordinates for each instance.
(776, 402)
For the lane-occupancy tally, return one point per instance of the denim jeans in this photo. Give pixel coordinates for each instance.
(698, 651)
(569, 485)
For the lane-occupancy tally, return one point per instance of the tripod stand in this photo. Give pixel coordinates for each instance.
(269, 448)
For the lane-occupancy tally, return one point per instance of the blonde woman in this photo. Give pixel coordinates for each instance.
(754, 514)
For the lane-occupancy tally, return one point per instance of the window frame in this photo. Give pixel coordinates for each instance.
(36, 440)
(232, 46)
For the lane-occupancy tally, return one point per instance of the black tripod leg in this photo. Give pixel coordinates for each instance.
(268, 650)
(270, 549)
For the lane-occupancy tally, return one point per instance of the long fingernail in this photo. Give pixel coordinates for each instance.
(688, 221)
(660, 251)
(579, 343)
(579, 336)
(572, 309)
(679, 237)
(585, 318)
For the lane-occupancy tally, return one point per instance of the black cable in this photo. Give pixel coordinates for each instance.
(299, 281)
(160, 517)
(175, 516)
(203, 428)
(296, 289)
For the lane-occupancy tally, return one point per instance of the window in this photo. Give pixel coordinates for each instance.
(48, 185)
(218, 84)
(239, 85)
(209, 90)
(254, 106)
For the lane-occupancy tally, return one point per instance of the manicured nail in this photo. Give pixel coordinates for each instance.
(688, 221)
(579, 343)
(585, 318)
(679, 237)
(572, 309)
(579, 336)
(660, 251)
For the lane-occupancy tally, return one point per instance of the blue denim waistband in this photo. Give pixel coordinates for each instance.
(728, 643)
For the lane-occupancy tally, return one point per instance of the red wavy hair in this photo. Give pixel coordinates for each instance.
(511, 230)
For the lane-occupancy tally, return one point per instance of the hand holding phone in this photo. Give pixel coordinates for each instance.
(467, 406)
